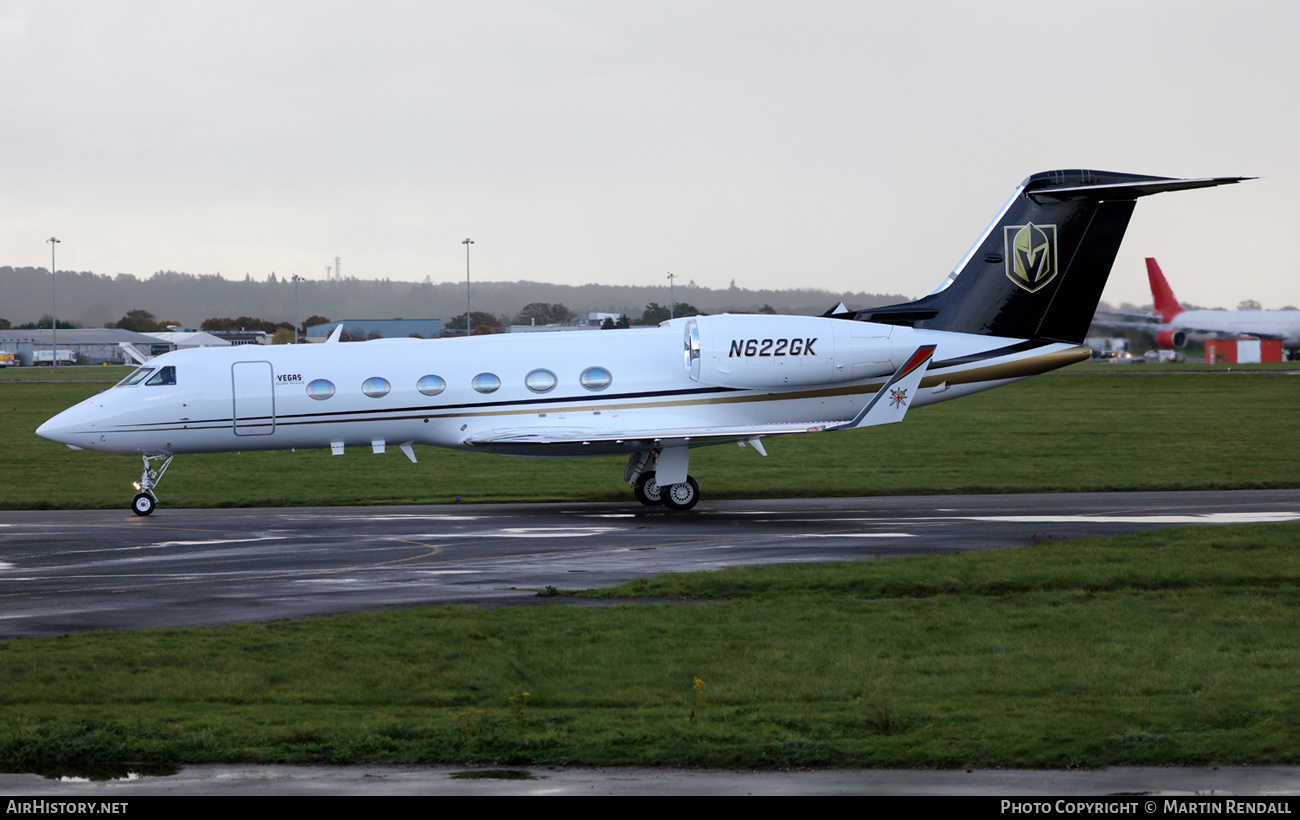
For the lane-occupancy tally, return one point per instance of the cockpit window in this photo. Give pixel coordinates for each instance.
(136, 377)
(166, 375)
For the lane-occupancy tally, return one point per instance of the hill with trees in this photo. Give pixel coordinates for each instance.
(91, 299)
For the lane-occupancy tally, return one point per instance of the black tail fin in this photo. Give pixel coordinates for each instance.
(1039, 270)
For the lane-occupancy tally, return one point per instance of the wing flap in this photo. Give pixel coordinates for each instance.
(541, 436)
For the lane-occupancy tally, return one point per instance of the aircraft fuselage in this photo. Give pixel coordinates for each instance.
(1266, 324)
(752, 371)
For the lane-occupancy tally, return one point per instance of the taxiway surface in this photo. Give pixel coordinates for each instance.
(74, 571)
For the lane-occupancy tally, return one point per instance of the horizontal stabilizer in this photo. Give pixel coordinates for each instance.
(1135, 189)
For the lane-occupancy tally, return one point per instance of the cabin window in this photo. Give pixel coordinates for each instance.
(136, 377)
(320, 389)
(487, 382)
(375, 387)
(595, 378)
(166, 375)
(431, 385)
(540, 381)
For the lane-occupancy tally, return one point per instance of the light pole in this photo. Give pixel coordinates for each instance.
(469, 323)
(296, 280)
(670, 295)
(54, 305)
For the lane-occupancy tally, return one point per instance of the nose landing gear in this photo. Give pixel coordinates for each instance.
(145, 500)
(142, 504)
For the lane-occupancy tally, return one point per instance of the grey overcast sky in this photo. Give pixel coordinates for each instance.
(847, 145)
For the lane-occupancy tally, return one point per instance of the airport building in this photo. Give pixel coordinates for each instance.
(593, 321)
(187, 339)
(93, 346)
(378, 329)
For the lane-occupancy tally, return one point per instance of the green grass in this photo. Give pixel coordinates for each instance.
(1068, 431)
(1194, 364)
(107, 375)
(1173, 647)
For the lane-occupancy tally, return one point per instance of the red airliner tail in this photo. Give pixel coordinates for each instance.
(1167, 306)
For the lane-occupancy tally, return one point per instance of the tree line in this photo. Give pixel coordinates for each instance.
(88, 299)
(140, 320)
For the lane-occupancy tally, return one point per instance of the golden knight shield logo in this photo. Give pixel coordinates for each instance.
(1030, 254)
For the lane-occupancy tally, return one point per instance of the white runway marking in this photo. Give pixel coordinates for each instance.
(215, 541)
(408, 517)
(1205, 518)
(525, 532)
(850, 535)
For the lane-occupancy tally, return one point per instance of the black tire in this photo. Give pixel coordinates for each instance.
(142, 504)
(647, 490)
(681, 496)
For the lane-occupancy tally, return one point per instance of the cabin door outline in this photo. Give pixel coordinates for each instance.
(253, 395)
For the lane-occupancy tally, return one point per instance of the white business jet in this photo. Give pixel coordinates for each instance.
(1018, 304)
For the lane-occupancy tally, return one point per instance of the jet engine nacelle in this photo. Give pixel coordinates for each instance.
(1169, 339)
(761, 351)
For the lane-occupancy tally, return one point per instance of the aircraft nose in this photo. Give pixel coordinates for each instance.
(52, 430)
(62, 429)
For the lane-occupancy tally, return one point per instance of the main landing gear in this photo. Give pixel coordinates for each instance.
(145, 500)
(680, 496)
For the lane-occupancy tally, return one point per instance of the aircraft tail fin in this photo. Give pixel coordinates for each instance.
(1040, 267)
(1167, 306)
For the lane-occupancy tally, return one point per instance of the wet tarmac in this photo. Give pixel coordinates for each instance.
(1133, 785)
(72, 571)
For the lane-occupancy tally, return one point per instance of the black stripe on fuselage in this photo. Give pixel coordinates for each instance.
(975, 358)
(423, 411)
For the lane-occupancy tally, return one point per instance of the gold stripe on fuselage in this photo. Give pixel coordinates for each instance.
(1021, 368)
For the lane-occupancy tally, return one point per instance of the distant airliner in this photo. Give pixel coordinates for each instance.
(1176, 322)
(1018, 304)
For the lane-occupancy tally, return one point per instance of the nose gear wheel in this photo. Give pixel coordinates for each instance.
(145, 500)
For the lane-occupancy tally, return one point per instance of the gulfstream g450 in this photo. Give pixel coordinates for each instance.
(1018, 304)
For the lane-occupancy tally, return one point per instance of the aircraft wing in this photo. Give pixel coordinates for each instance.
(887, 406)
(1119, 318)
(1135, 323)
(697, 435)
